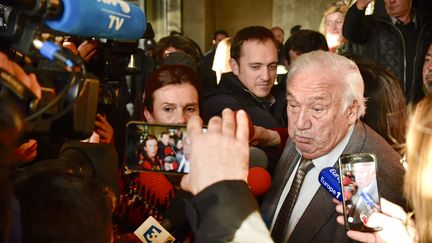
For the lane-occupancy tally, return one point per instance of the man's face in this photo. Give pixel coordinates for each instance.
(165, 139)
(218, 39)
(397, 8)
(278, 35)
(151, 148)
(427, 69)
(316, 122)
(364, 174)
(257, 66)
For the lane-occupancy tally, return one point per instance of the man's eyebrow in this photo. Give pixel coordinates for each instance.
(313, 99)
(255, 63)
(192, 103)
(167, 103)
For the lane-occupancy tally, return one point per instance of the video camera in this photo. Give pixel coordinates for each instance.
(69, 92)
(69, 98)
(69, 101)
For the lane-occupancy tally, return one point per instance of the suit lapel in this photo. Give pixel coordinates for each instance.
(284, 168)
(321, 208)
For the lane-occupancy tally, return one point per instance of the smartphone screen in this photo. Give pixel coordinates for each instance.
(360, 190)
(157, 148)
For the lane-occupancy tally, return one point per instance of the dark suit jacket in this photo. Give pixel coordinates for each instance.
(318, 222)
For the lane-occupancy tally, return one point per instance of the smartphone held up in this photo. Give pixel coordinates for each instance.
(157, 148)
(359, 190)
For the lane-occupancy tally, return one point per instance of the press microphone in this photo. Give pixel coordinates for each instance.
(330, 180)
(257, 158)
(115, 20)
(259, 181)
(152, 231)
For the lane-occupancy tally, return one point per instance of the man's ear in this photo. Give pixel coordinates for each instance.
(353, 112)
(148, 116)
(234, 66)
(214, 42)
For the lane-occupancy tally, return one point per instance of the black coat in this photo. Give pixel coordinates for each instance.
(231, 93)
(381, 41)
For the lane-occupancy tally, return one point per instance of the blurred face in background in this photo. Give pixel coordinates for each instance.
(151, 148)
(397, 8)
(278, 35)
(173, 104)
(333, 28)
(218, 39)
(427, 69)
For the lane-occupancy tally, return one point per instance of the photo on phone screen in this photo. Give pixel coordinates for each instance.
(157, 148)
(360, 190)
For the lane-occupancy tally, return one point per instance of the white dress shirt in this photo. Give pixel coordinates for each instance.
(310, 183)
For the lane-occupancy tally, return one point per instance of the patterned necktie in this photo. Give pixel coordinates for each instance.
(281, 224)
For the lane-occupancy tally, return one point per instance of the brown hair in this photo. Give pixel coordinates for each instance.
(258, 33)
(387, 113)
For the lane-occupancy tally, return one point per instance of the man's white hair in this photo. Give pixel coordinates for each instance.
(336, 66)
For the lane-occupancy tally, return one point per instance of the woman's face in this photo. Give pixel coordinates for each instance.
(173, 104)
(334, 22)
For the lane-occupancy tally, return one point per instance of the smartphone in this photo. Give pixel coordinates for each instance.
(157, 147)
(359, 190)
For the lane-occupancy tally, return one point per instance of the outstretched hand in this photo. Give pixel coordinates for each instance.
(222, 153)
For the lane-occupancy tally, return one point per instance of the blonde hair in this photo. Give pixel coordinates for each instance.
(221, 58)
(337, 7)
(419, 175)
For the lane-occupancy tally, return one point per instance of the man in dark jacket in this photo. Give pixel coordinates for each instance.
(397, 39)
(254, 62)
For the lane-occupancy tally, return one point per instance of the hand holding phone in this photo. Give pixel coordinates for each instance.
(359, 190)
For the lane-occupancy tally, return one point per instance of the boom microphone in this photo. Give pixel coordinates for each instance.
(114, 19)
(330, 180)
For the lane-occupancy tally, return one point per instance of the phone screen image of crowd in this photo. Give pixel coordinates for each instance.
(157, 148)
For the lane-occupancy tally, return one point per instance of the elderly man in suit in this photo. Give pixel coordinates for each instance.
(325, 102)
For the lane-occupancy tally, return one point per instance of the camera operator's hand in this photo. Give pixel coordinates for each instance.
(29, 80)
(87, 50)
(220, 154)
(25, 152)
(104, 129)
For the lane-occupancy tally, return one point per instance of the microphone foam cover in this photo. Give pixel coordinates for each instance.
(259, 181)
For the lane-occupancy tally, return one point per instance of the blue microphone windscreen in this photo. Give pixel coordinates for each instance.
(117, 20)
(330, 180)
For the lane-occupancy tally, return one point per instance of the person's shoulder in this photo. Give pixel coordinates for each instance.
(217, 101)
(374, 141)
